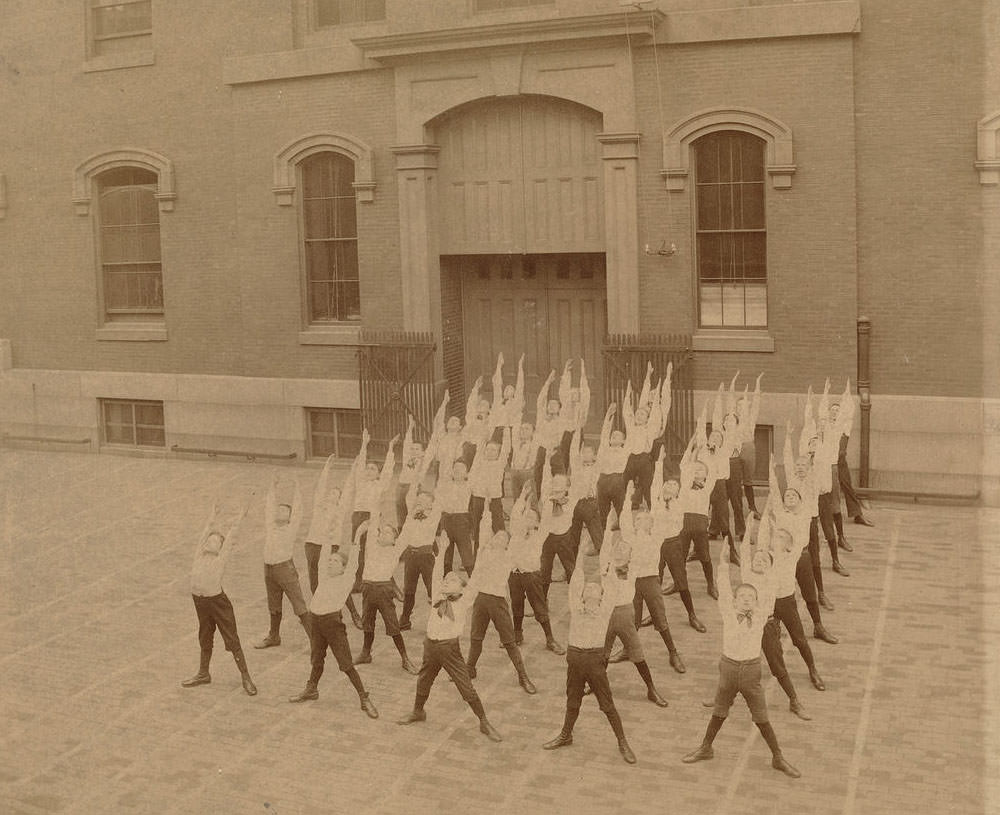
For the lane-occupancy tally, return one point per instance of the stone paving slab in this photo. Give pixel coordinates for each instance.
(97, 629)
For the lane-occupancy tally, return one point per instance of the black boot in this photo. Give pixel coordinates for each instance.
(310, 693)
(248, 686)
(202, 677)
(273, 637)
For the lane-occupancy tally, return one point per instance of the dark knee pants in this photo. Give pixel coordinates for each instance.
(458, 527)
(358, 518)
(586, 513)
(313, 551)
(805, 578)
(418, 562)
(639, 468)
(486, 609)
(216, 612)
(673, 555)
(734, 491)
(328, 631)
(622, 626)
(476, 508)
(740, 676)
(647, 590)
(446, 654)
(610, 493)
(826, 511)
(282, 579)
(719, 505)
(695, 530)
(527, 584)
(379, 597)
(587, 666)
(561, 545)
(785, 611)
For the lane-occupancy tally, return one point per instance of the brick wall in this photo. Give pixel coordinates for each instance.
(919, 78)
(812, 273)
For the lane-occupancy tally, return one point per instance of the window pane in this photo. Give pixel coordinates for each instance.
(118, 434)
(732, 304)
(348, 447)
(123, 18)
(347, 260)
(707, 159)
(320, 262)
(756, 305)
(323, 445)
(708, 206)
(321, 421)
(315, 217)
(711, 304)
(709, 257)
(754, 255)
(320, 305)
(752, 205)
(117, 413)
(349, 422)
(149, 414)
(150, 437)
(349, 304)
(344, 217)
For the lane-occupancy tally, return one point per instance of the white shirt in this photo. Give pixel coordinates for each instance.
(493, 567)
(453, 496)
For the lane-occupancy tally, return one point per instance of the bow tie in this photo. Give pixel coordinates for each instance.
(444, 609)
(745, 615)
(420, 515)
(697, 486)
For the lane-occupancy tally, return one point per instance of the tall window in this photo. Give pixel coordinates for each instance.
(120, 26)
(334, 431)
(129, 243)
(134, 423)
(495, 5)
(731, 235)
(330, 225)
(337, 12)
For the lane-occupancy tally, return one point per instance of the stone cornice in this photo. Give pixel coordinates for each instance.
(400, 47)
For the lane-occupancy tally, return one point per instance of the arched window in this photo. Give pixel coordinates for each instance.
(330, 238)
(730, 228)
(128, 228)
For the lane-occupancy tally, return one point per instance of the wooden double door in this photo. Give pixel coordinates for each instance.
(550, 307)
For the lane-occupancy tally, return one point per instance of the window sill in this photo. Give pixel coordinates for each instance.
(331, 335)
(132, 333)
(723, 339)
(111, 62)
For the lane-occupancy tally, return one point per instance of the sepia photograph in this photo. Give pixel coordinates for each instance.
(490, 407)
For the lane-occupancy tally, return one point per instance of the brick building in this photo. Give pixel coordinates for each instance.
(199, 227)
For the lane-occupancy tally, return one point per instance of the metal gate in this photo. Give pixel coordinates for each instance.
(625, 358)
(396, 375)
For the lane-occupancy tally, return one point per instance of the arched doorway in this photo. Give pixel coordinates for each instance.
(521, 236)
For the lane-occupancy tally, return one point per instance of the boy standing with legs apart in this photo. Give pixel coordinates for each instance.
(329, 509)
(211, 603)
(493, 568)
(453, 597)
(743, 617)
(621, 576)
(590, 608)
(526, 539)
(336, 578)
(281, 524)
(377, 590)
(644, 532)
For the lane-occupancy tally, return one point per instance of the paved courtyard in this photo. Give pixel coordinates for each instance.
(97, 629)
